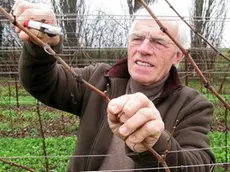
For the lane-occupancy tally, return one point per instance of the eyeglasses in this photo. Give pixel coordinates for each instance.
(157, 43)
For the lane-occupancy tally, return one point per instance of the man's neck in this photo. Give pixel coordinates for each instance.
(151, 91)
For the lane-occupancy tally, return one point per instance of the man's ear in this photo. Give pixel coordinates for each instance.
(179, 57)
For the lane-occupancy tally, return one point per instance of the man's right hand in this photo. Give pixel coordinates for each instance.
(25, 11)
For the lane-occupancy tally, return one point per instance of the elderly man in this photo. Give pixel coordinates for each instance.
(147, 99)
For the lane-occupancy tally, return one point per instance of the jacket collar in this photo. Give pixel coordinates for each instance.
(120, 70)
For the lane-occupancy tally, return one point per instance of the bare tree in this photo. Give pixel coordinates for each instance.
(90, 29)
(70, 14)
(6, 4)
(208, 20)
(105, 33)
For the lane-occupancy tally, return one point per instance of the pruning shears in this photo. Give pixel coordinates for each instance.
(42, 27)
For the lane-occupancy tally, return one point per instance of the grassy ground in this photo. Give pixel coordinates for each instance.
(28, 152)
(20, 130)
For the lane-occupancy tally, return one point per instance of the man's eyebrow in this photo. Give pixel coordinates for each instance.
(158, 39)
(136, 34)
(153, 38)
(142, 34)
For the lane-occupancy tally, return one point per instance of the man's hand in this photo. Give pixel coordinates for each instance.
(135, 118)
(25, 11)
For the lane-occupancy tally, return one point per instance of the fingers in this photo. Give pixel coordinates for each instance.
(135, 118)
(20, 6)
(133, 105)
(127, 105)
(149, 133)
(40, 15)
(37, 33)
(115, 107)
(24, 11)
(47, 15)
(138, 121)
(16, 4)
(22, 35)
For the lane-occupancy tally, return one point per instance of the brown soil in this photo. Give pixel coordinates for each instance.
(51, 128)
(68, 127)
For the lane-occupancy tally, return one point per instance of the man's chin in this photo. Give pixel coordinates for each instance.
(142, 80)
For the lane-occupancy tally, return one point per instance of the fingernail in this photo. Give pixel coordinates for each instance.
(123, 131)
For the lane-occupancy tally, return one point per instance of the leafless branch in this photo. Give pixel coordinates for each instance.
(221, 54)
(43, 138)
(198, 71)
(50, 51)
(17, 165)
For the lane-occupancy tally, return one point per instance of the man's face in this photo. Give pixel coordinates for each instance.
(151, 53)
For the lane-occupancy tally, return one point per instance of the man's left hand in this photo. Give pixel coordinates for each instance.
(135, 119)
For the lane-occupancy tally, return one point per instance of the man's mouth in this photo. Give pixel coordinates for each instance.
(145, 64)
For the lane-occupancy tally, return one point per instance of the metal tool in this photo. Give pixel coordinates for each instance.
(45, 28)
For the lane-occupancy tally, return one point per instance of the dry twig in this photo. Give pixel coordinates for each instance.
(17, 165)
(198, 71)
(50, 51)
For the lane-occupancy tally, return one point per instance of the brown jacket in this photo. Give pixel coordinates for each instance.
(178, 105)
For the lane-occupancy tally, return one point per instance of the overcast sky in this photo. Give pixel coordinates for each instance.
(119, 7)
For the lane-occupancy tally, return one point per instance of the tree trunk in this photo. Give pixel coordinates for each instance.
(206, 15)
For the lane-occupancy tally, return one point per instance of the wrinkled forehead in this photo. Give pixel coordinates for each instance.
(151, 28)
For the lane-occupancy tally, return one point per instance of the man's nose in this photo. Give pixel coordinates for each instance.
(145, 47)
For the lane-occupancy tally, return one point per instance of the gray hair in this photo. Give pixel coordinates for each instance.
(164, 13)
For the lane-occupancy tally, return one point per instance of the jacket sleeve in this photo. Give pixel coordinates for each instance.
(48, 81)
(188, 147)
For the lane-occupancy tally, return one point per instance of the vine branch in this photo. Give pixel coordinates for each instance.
(50, 51)
(17, 165)
(198, 34)
(43, 137)
(212, 46)
(198, 71)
